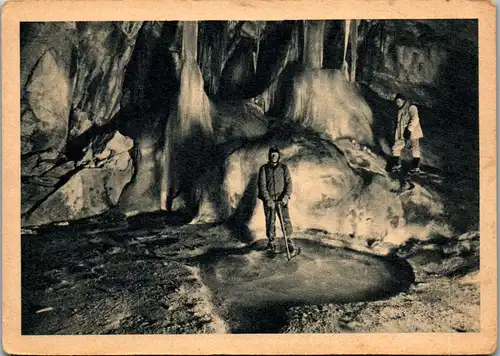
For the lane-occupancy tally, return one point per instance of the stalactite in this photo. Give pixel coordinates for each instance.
(345, 66)
(231, 42)
(212, 42)
(299, 26)
(219, 55)
(189, 126)
(255, 53)
(366, 49)
(382, 37)
(295, 46)
(304, 38)
(313, 44)
(205, 57)
(354, 49)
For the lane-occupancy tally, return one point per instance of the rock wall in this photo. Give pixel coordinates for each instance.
(433, 62)
(71, 80)
(48, 71)
(105, 48)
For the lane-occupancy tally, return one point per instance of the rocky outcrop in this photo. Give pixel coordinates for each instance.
(71, 80)
(95, 187)
(423, 59)
(105, 49)
(340, 188)
(48, 70)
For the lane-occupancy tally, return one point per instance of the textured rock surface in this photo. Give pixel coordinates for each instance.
(94, 188)
(48, 69)
(105, 49)
(340, 188)
(428, 60)
(71, 76)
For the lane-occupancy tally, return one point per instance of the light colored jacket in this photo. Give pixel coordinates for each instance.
(408, 118)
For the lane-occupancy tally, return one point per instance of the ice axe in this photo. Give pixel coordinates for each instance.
(280, 216)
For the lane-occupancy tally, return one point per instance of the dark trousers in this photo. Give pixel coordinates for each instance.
(271, 221)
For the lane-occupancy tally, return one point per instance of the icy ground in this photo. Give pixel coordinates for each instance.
(148, 275)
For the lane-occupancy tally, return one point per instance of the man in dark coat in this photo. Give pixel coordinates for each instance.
(275, 187)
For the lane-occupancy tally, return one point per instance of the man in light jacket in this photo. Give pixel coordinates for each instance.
(408, 130)
(275, 187)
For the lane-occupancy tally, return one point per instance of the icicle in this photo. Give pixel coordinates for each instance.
(345, 67)
(216, 42)
(354, 49)
(304, 27)
(382, 36)
(293, 53)
(313, 44)
(230, 43)
(165, 159)
(219, 50)
(190, 41)
(189, 126)
(193, 104)
(256, 53)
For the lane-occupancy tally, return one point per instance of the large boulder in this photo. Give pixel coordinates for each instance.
(94, 188)
(339, 188)
(323, 186)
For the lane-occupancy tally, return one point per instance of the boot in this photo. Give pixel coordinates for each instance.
(415, 166)
(294, 251)
(271, 246)
(396, 164)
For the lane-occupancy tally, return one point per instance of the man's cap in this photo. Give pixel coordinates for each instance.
(399, 96)
(274, 149)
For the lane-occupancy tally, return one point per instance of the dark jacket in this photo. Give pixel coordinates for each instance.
(274, 182)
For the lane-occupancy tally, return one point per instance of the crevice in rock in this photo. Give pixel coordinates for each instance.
(63, 180)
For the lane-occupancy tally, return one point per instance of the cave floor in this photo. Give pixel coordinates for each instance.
(149, 276)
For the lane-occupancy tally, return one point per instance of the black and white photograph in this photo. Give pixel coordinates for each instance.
(250, 177)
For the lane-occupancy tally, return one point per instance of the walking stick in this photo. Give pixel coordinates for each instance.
(280, 216)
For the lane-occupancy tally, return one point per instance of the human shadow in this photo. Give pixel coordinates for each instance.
(238, 221)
